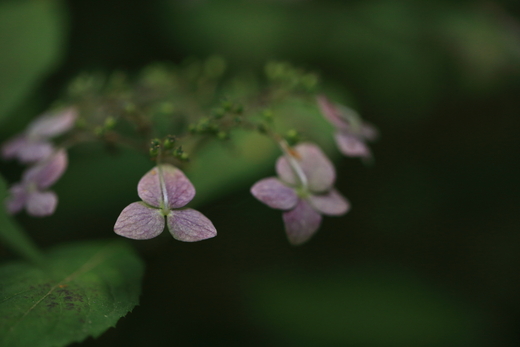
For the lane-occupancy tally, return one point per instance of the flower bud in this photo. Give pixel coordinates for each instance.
(155, 145)
(169, 142)
(292, 137)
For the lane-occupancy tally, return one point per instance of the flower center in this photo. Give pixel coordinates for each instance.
(302, 192)
(165, 209)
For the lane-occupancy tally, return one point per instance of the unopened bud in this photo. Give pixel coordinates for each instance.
(155, 145)
(110, 123)
(218, 112)
(169, 142)
(292, 137)
(222, 135)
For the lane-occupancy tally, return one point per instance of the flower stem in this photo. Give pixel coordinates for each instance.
(297, 169)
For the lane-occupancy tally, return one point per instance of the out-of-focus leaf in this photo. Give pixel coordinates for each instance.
(367, 307)
(85, 291)
(31, 38)
(12, 235)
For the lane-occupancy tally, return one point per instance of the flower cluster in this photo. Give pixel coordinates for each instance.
(47, 163)
(304, 190)
(124, 112)
(164, 190)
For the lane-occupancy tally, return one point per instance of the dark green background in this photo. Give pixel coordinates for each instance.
(428, 255)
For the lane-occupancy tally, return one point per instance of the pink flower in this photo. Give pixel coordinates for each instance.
(30, 192)
(164, 190)
(33, 144)
(352, 132)
(304, 190)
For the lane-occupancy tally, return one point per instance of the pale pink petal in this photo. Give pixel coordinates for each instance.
(301, 223)
(331, 203)
(41, 204)
(11, 147)
(178, 190)
(274, 193)
(190, 225)
(351, 145)
(17, 198)
(52, 124)
(139, 222)
(315, 165)
(35, 151)
(45, 173)
(149, 188)
(331, 112)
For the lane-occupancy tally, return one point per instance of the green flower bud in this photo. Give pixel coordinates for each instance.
(155, 145)
(110, 123)
(218, 112)
(166, 107)
(292, 137)
(268, 115)
(227, 105)
(129, 107)
(222, 135)
(169, 142)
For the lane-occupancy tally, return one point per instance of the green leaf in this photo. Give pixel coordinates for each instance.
(31, 39)
(85, 291)
(12, 235)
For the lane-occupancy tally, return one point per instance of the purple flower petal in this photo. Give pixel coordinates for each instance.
(351, 145)
(11, 147)
(34, 151)
(301, 223)
(315, 165)
(331, 203)
(17, 199)
(331, 112)
(45, 173)
(41, 204)
(52, 124)
(274, 193)
(139, 222)
(190, 225)
(178, 188)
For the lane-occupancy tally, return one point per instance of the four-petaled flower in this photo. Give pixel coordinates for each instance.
(164, 190)
(304, 190)
(33, 144)
(29, 193)
(352, 132)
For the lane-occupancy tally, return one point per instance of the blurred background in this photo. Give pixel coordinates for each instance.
(428, 255)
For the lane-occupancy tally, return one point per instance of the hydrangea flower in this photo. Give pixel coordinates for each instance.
(33, 144)
(30, 192)
(164, 190)
(304, 190)
(352, 132)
